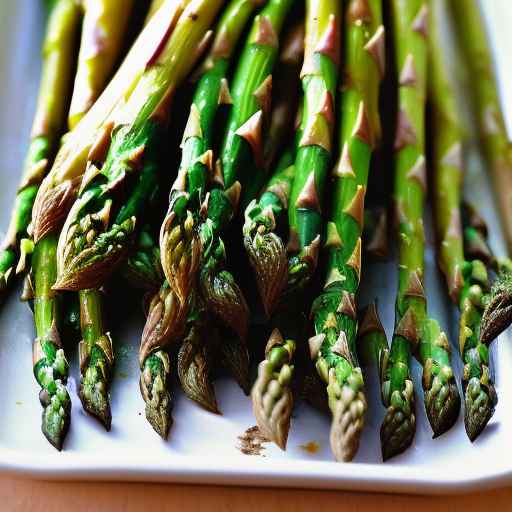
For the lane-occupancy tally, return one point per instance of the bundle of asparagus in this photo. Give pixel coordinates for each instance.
(81, 213)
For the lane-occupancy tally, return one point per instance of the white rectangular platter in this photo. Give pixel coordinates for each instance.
(203, 447)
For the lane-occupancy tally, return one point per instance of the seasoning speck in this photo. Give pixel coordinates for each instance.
(251, 442)
(312, 447)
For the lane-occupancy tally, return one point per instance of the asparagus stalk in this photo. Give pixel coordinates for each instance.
(272, 399)
(49, 361)
(414, 330)
(104, 26)
(467, 279)
(96, 357)
(319, 78)
(49, 124)
(243, 149)
(486, 103)
(179, 241)
(103, 30)
(265, 248)
(93, 242)
(59, 187)
(333, 347)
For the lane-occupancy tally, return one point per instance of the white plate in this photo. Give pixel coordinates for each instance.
(202, 447)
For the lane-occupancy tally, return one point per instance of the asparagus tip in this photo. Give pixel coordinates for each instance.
(267, 255)
(498, 313)
(480, 401)
(95, 401)
(399, 425)
(235, 359)
(442, 404)
(348, 408)
(56, 415)
(159, 415)
(153, 387)
(272, 402)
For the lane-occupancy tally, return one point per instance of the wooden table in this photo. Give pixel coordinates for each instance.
(37, 496)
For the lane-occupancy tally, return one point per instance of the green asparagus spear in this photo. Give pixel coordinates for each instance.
(92, 134)
(466, 277)
(103, 32)
(105, 19)
(179, 241)
(243, 150)
(319, 78)
(49, 360)
(414, 330)
(96, 357)
(59, 58)
(483, 91)
(333, 348)
(264, 246)
(272, 400)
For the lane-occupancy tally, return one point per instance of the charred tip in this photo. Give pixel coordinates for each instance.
(268, 258)
(479, 404)
(443, 408)
(497, 315)
(154, 390)
(397, 431)
(96, 402)
(194, 372)
(159, 415)
(235, 359)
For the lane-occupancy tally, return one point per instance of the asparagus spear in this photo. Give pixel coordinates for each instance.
(467, 279)
(414, 330)
(93, 242)
(179, 237)
(96, 357)
(179, 240)
(104, 26)
(484, 93)
(265, 248)
(49, 361)
(58, 62)
(334, 311)
(242, 149)
(272, 400)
